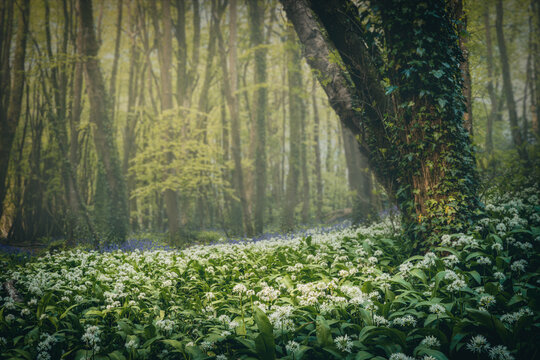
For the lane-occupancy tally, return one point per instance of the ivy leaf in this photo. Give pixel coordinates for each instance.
(442, 102)
(437, 73)
(390, 89)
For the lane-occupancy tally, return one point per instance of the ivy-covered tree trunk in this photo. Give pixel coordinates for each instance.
(403, 101)
(103, 131)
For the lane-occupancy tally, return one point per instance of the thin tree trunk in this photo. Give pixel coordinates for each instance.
(256, 17)
(491, 90)
(230, 77)
(535, 88)
(294, 76)
(103, 132)
(507, 84)
(112, 85)
(164, 49)
(317, 150)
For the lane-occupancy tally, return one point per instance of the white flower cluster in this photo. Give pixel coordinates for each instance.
(519, 265)
(239, 289)
(407, 320)
(344, 343)
(45, 345)
(165, 325)
(515, 316)
(292, 346)
(268, 293)
(281, 319)
(437, 309)
(430, 341)
(457, 281)
(91, 337)
(486, 301)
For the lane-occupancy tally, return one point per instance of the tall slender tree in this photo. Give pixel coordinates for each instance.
(294, 76)
(104, 139)
(256, 17)
(517, 137)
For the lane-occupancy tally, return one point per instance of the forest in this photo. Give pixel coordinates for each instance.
(264, 179)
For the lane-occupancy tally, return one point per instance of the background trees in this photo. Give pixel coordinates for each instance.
(186, 115)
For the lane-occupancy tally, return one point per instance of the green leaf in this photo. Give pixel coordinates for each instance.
(324, 335)
(264, 342)
(390, 89)
(174, 343)
(116, 355)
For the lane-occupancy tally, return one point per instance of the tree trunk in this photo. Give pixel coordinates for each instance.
(230, 77)
(294, 76)
(165, 58)
(135, 79)
(112, 85)
(317, 150)
(535, 96)
(359, 178)
(256, 17)
(104, 138)
(491, 90)
(507, 85)
(461, 17)
(8, 124)
(434, 185)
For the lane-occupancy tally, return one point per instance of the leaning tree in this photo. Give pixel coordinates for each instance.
(391, 70)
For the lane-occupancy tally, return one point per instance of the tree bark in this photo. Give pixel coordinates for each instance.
(256, 17)
(490, 88)
(507, 85)
(535, 96)
(294, 76)
(317, 150)
(230, 77)
(164, 50)
(104, 139)
(112, 85)
(461, 17)
(8, 125)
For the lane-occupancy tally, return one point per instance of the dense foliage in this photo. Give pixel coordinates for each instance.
(348, 294)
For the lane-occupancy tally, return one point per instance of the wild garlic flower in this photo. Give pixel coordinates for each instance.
(400, 356)
(380, 320)
(483, 260)
(131, 344)
(207, 345)
(486, 301)
(500, 352)
(91, 337)
(518, 265)
(165, 325)
(239, 289)
(292, 346)
(450, 260)
(430, 341)
(407, 320)
(344, 343)
(478, 344)
(437, 309)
